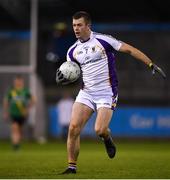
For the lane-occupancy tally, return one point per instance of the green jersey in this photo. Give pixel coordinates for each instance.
(18, 101)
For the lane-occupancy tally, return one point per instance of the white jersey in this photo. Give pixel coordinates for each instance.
(96, 59)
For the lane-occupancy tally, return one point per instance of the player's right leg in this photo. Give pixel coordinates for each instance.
(15, 135)
(79, 117)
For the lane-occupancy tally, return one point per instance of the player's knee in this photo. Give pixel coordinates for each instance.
(74, 130)
(100, 130)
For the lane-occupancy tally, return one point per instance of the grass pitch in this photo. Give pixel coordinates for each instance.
(133, 160)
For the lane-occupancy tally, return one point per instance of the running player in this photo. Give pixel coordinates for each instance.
(16, 105)
(94, 53)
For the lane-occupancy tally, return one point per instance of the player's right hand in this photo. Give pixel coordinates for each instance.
(60, 79)
(5, 116)
(59, 76)
(157, 69)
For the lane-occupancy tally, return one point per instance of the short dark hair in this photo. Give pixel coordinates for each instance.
(83, 14)
(18, 76)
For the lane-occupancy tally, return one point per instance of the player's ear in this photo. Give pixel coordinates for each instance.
(89, 25)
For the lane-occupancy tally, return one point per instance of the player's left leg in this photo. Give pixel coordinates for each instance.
(104, 115)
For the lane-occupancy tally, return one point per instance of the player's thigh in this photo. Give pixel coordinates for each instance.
(15, 127)
(80, 115)
(104, 115)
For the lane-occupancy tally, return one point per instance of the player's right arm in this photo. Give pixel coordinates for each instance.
(5, 108)
(60, 79)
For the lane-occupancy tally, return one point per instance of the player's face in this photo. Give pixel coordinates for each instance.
(81, 29)
(18, 83)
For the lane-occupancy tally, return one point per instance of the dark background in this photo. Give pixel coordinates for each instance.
(14, 14)
(144, 24)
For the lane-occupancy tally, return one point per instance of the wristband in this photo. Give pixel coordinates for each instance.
(150, 64)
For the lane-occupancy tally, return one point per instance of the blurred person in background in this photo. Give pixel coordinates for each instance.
(16, 106)
(64, 112)
(94, 52)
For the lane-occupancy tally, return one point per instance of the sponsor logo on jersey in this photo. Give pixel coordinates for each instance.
(80, 52)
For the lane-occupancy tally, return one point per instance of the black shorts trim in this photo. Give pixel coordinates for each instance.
(18, 120)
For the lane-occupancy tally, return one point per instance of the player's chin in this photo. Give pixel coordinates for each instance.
(77, 36)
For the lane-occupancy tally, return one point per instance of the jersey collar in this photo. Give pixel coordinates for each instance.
(91, 35)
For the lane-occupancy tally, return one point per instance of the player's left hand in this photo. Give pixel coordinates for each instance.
(155, 69)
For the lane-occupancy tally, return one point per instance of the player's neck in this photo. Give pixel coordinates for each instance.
(86, 37)
(18, 88)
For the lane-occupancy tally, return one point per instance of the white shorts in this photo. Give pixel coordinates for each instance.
(97, 101)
